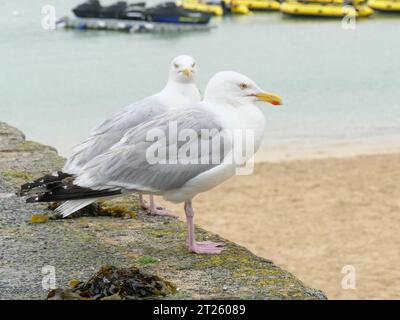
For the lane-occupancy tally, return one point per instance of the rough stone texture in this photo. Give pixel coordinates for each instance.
(77, 248)
(20, 159)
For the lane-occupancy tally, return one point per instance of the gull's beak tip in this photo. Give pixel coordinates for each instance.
(186, 72)
(271, 98)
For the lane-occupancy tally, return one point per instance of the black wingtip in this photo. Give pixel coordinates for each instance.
(44, 181)
(72, 193)
(32, 199)
(59, 186)
(25, 188)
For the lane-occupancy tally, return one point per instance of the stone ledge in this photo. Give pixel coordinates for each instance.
(78, 247)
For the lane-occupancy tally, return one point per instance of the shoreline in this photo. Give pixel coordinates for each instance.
(283, 154)
(310, 151)
(337, 151)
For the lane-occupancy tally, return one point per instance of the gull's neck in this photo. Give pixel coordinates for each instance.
(246, 115)
(239, 116)
(185, 94)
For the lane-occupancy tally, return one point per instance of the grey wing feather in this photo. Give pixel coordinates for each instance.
(110, 131)
(127, 165)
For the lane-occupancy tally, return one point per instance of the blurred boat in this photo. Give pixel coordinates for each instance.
(233, 7)
(326, 8)
(131, 26)
(89, 9)
(385, 5)
(134, 11)
(217, 8)
(167, 12)
(260, 5)
(119, 10)
(113, 11)
(236, 7)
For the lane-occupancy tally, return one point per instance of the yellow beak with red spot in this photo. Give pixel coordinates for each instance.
(269, 97)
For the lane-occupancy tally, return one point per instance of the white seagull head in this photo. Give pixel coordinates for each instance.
(183, 69)
(236, 89)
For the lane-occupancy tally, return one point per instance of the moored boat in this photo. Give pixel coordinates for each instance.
(134, 11)
(217, 8)
(88, 9)
(385, 5)
(260, 5)
(118, 10)
(326, 8)
(234, 7)
(195, 5)
(169, 12)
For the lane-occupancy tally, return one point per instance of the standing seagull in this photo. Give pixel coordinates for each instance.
(180, 92)
(229, 104)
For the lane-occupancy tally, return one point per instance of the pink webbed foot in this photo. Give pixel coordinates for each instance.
(144, 205)
(206, 247)
(154, 209)
(160, 211)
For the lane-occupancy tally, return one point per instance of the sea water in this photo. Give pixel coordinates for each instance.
(340, 86)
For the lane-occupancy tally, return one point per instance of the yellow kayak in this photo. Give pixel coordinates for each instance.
(201, 6)
(325, 10)
(385, 5)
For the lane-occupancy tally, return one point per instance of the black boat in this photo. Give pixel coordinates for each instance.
(167, 12)
(89, 9)
(114, 11)
(135, 11)
(119, 10)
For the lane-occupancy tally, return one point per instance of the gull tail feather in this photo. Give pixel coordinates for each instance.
(71, 206)
(44, 183)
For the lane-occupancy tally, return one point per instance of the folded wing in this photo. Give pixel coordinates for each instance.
(137, 162)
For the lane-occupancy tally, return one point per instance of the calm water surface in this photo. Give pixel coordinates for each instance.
(341, 88)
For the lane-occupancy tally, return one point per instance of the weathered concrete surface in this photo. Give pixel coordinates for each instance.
(77, 248)
(21, 159)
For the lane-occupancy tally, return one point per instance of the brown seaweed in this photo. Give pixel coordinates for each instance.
(112, 283)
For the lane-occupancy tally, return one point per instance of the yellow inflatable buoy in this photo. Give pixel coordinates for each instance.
(235, 7)
(341, 2)
(327, 9)
(240, 9)
(260, 5)
(195, 5)
(385, 5)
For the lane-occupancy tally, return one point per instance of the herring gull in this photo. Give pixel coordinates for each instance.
(229, 104)
(180, 92)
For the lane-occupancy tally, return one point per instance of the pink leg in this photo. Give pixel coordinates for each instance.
(159, 211)
(143, 204)
(206, 247)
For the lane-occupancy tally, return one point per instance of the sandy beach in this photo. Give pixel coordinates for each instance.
(312, 217)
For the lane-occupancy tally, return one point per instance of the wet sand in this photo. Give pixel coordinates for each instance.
(313, 217)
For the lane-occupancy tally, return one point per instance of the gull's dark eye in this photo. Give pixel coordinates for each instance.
(243, 86)
(193, 64)
(176, 65)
